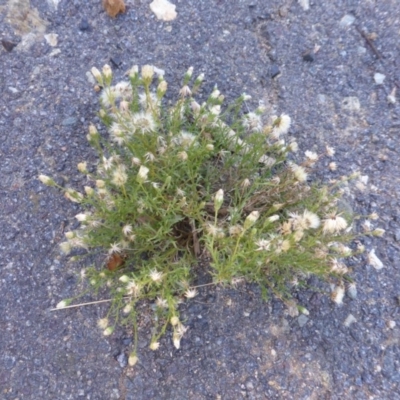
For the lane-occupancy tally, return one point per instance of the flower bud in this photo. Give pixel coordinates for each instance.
(89, 191)
(64, 303)
(46, 180)
(82, 167)
(108, 331)
(251, 219)
(107, 72)
(218, 200)
(133, 359)
(97, 75)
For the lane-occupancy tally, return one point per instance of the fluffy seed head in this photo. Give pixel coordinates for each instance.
(334, 224)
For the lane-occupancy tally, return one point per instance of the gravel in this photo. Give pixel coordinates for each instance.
(242, 346)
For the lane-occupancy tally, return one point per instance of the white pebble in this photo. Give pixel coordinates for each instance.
(349, 320)
(391, 324)
(347, 20)
(379, 78)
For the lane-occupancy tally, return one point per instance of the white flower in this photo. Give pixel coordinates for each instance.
(147, 72)
(149, 157)
(334, 224)
(144, 122)
(154, 345)
(374, 261)
(263, 245)
(299, 172)
(102, 323)
(332, 166)
(161, 303)
(119, 176)
(267, 161)
(156, 276)
(115, 248)
(190, 293)
(122, 90)
(330, 151)
(136, 161)
(252, 122)
(184, 139)
(281, 125)
(182, 155)
(338, 267)
(127, 229)
(142, 174)
(310, 220)
(273, 218)
(311, 155)
(185, 91)
(81, 217)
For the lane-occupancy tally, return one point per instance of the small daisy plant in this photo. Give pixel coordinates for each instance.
(183, 184)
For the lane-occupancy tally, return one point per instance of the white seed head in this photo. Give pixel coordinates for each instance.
(190, 293)
(102, 323)
(154, 345)
(142, 174)
(133, 359)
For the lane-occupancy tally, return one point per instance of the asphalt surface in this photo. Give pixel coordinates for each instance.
(238, 346)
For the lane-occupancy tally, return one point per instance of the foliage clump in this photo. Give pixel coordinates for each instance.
(176, 184)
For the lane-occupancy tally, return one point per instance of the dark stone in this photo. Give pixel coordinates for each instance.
(8, 45)
(116, 61)
(308, 56)
(84, 25)
(275, 71)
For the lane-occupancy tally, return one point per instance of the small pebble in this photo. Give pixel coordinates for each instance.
(351, 103)
(84, 25)
(8, 45)
(391, 324)
(379, 78)
(275, 71)
(122, 360)
(302, 320)
(116, 61)
(308, 56)
(69, 121)
(347, 20)
(349, 320)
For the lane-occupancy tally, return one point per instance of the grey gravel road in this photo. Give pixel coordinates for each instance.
(316, 65)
